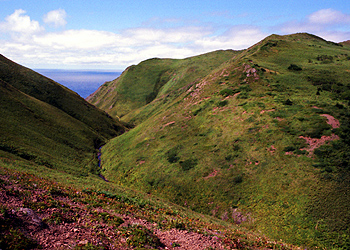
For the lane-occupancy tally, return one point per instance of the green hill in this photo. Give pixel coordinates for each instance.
(258, 137)
(141, 84)
(45, 123)
(51, 196)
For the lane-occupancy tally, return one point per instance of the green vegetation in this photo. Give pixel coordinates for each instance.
(92, 213)
(165, 78)
(43, 122)
(139, 236)
(253, 140)
(231, 142)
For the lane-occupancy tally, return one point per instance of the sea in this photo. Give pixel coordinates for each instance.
(83, 82)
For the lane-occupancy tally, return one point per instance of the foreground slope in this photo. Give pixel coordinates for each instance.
(46, 123)
(38, 213)
(260, 140)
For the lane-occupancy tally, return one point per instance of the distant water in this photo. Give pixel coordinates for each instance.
(84, 82)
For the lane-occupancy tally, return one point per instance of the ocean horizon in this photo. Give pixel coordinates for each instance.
(83, 82)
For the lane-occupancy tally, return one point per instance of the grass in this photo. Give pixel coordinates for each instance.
(221, 143)
(43, 122)
(141, 84)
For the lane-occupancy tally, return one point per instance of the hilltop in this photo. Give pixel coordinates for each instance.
(257, 137)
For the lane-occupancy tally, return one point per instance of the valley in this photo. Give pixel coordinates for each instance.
(236, 149)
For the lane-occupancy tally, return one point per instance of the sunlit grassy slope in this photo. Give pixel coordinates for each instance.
(141, 84)
(46, 123)
(225, 140)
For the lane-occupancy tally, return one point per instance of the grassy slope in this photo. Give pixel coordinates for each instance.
(140, 84)
(93, 208)
(43, 122)
(46, 90)
(218, 146)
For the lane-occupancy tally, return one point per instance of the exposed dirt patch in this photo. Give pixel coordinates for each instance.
(263, 111)
(279, 119)
(168, 124)
(212, 174)
(332, 121)
(316, 143)
(272, 149)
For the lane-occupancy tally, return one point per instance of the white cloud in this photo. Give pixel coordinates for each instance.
(76, 40)
(166, 35)
(35, 47)
(326, 23)
(20, 23)
(328, 16)
(239, 37)
(56, 17)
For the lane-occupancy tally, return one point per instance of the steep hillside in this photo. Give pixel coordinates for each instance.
(258, 139)
(51, 196)
(47, 124)
(46, 90)
(141, 84)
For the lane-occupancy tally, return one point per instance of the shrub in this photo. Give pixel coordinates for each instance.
(227, 92)
(289, 149)
(238, 179)
(140, 236)
(294, 67)
(172, 155)
(222, 103)
(188, 164)
(325, 58)
(268, 45)
(243, 95)
(288, 102)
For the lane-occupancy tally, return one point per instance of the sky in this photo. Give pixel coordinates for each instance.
(113, 34)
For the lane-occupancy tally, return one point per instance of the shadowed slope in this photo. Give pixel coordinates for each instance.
(47, 90)
(46, 123)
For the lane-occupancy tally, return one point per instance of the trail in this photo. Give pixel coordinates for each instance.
(99, 164)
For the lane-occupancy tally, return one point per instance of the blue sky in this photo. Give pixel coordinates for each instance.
(86, 34)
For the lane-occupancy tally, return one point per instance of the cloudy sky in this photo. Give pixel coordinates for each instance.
(113, 34)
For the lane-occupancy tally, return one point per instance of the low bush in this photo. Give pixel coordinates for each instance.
(289, 149)
(188, 164)
(294, 67)
(227, 92)
(172, 155)
(140, 236)
(325, 58)
(223, 103)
